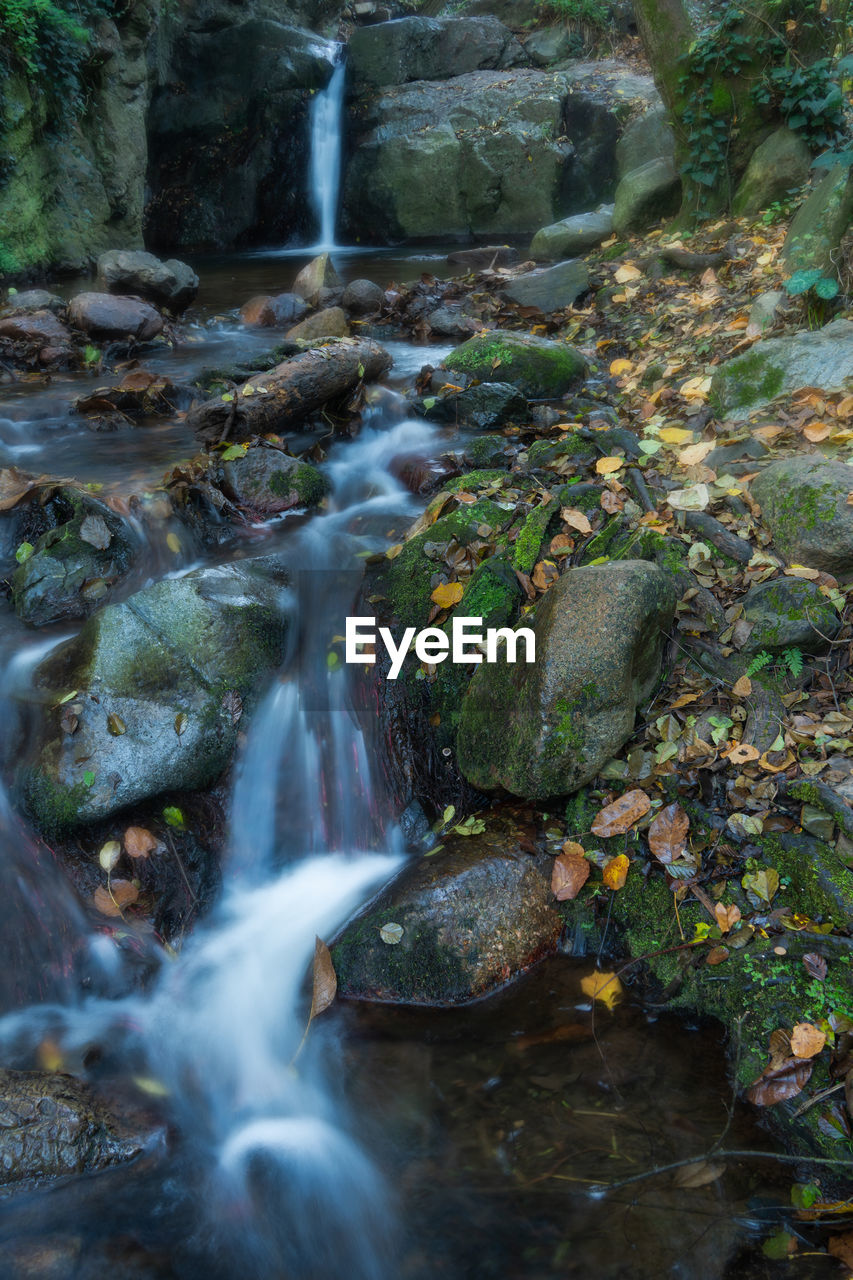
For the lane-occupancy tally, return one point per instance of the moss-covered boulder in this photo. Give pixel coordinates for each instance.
(778, 166)
(820, 358)
(470, 917)
(648, 137)
(536, 366)
(804, 505)
(789, 613)
(157, 685)
(816, 231)
(646, 195)
(267, 481)
(544, 729)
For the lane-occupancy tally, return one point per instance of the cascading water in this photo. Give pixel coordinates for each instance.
(326, 147)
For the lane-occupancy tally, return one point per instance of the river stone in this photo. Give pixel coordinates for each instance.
(545, 729)
(573, 235)
(821, 358)
(106, 316)
(484, 407)
(646, 195)
(473, 916)
(549, 288)
(40, 330)
(362, 297)
(51, 1126)
(789, 613)
(819, 224)
(535, 366)
(417, 48)
(193, 646)
(330, 323)
(30, 300)
(273, 312)
(170, 284)
(804, 505)
(268, 482)
(648, 137)
(781, 164)
(319, 274)
(452, 322)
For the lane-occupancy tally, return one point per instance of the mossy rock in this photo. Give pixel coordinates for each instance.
(820, 223)
(821, 358)
(804, 505)
(537, 367)
(267, 481)
(789, 613)
(779, 165)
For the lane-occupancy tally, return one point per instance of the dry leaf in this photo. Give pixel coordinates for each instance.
(325, 986)
(807, 1040)
(115, 725)
(777, 1084)
(842, 1247)
(138, 842)
(675, 435)
(619, 367)
(700, 1174)
(576, 519)
(94, 531)
(717, 955)
(668, 833)
(742, 688)
(607, 466)
(743, 753)
(109, 854)
(626, 273)
(447, 594)
(605, 987)
(569, 875)
(610, 502)
(616, 871)
(815, 965)
(696, 453)
(817, 431)
(620, 816)
(545, 574)
(726, 915)
(110, 901)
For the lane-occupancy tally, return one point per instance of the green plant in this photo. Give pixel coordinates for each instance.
(791, 660)
(588, 13)
(48, 40)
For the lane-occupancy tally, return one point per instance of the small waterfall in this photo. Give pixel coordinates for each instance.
(326, 145)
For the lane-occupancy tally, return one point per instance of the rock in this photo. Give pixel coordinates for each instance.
(546, 729)
(764, 312)
(104, 316)
(648, 137)
(535, 366)
(821, 358)
(430, 49)
(489, 451)
(789, 613)
(484, 407)
(473, 916)
(804, 505)
(781, 164)
(319, 274)
(549, 45)
(549, 288)
(170, 284)
(42, 331)
(195, 646)
(274, 312)
(645, 196)
(573, 235)
(30, 300)
(51, 1126)
(362, 297)
(490, 255)
(331, 323)
(266, 481)
(452, 322)
(819, 224)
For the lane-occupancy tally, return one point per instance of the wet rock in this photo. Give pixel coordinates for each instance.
(804, 505)
(52, 1126)
(39, 332)
(171, 284)
(821, 358)
(535, 366)
(319, 274)
(473, 916)
(573, 235)
(490, 451)
(549, 288)
(781, 164)
(789, 613)
(267, 482)
(362, 297)
(484, 407)
(819, 224)
(646, 195)
(29, 300)
(106, 316)
(544, 729)
(648, 137)
(417, 48)
(492, 255)
(273, 312)
(182, 647)
(331, 323)
(452, 322)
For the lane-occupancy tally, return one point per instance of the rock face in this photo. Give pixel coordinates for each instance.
(549, 45)
(535, 366)
(573, 235)
(551, 288)
(170, 284)
(473, 916)
(102, 315)
(496, 153)
(198, 647)
(781, 164)
(821, 358)
(804, 505)
(50, 1126)
(820, 222)
(545, 729)
(267, 482)
(646, 195)
(430, 49)
(789, 613)
(649, 137)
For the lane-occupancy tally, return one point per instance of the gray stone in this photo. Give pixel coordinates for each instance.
(549, 288)
(573, 235)
(779, 166)
(549, 45)
(764, 312)
(331, 323)
(648, 137)
(820, 358)
(42, 330)
(319, 274)
(170, 284)
(452, 322)
(819, 224)
(484, 407)
(407, 49)
(536, 366)
(30, 300)
(545, 729)
(646, 195)
(273, 312)
(266, 481)
(789, 613)
(362, 297)
(804, 505)
(105, 316)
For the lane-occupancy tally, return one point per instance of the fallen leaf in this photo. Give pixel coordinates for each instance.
(626, 273)
(115, 725)
(576, 519)
(619, 367)
(138, 842)
(325, 981)
(717, 955)
(668, 833)
(607, 466)
(447, 594)
(696, 453)
(726, 915)
(815, 965)
(743, 753)
(109, 854)
(605, 987)
(616, 871)
(620, 816)
(94, 531)
(391, 933)
(742, 688)
(611, 502)
(544, 575)
(817, 431)
(110, 901)
(700, 1174)
(842, 1247)
(675, 435)
(695, 498)
(807, 1040)
(777, 1084)
(569, 875)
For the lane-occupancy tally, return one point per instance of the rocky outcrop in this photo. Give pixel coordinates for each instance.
(430, 49)
(550, 288)
(646, 195)
(820, 222)
(535, 366)
(781, 164)
(821, 358)
(573, 235)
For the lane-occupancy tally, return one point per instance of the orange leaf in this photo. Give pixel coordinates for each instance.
(817, 431)
(777, 1084)
(121, 893)
(620, 816)
(727, 915)
(138, 842)
(616, 871)
(606, 466)
(743, 753)
(576, 519)
(447, 594)
(668, 833)
(605, 987)
(545, 575)
(569, 875)
(742, 688)
(807, 1040)
(620, 366)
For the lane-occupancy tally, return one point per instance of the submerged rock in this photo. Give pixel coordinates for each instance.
(170, 284)
(804, 505)
(472, 916)
(104, 315)
(537, 367)
(489, 255)
(821, 358)
(30, 300)
(544, 729)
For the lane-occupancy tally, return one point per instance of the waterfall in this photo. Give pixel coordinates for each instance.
(326, 146)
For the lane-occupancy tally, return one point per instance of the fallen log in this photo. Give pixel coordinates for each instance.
(278, 400)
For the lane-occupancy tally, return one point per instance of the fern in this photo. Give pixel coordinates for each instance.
(793, 660)
(759, 662)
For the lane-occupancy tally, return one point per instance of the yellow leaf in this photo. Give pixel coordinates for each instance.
(605, 987)
(576, 519)
(675, 435)
(696, 388)
(627, 273)
(817, 431)
(447, 594)
(807, 1040)
(620, 366)
(801, 571)
(695, 453)
(173, 542)
(616, 871)
(607, 466)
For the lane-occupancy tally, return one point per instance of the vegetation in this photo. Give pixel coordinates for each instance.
(48, 40)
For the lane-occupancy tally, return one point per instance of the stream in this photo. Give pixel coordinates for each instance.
(394, 1143)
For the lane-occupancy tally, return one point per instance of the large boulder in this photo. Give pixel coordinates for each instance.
(781, 164)
(549, 288)
(170, 284)
(646, 195)
(573, 235)
(362, 297)
(648, 137)
(158, 683)
(820, 358)
(537, 367)
(550, 45)
(104, 316)
(804, 505)
(38, 335)
(820, 222)
(473, 916)
(483, 407)
(266, 482)
(416, 48)
(545, 729)
(27, 301)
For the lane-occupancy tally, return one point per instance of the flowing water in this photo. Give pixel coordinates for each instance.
(326, 142)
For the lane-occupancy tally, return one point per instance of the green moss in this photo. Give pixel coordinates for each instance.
(745, 381)
(525, 551)
(54, 808)
(486, 451)
(421, 968)
(309, 484)
(472, 480)
(472, 359)
(819, 885)
(567, 734)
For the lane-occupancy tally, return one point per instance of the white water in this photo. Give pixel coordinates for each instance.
(326, 146)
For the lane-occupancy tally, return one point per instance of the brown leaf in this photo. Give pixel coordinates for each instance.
(717, 955)
(325, 979)
(545, 574)
(616, 871)
(121, 893)
(668, 833)
(700, 1174)
(569, 875)
(743, 753)
(842, 1247)
(611, 502)
(232, 703)
(94, 531)
(115, 725)
(620, 816)
(776, 1084)
(815, 965)
(576, 519)
(727, 915)
(807, 1040)
(742, 688)
(138, 842)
